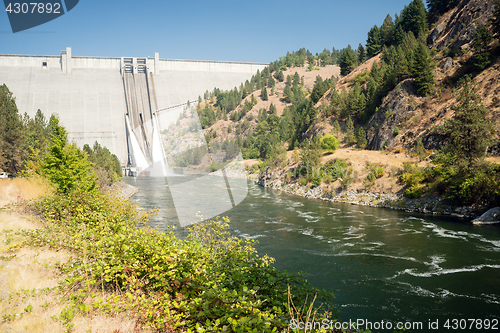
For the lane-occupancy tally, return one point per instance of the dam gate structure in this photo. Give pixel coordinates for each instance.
(121, 102)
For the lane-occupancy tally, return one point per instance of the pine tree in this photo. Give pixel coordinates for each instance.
(348, 60)
(361, 138)
(402, 66)
(495, 19)
(288, 94)
(273, 110)
(422, 70)
(281, 76)
(263, 94)
(336, 128)
(349, 135)
(12, 137)
(414, 18)
(468, 133)
(361, 53)
(374, 42)
(387, 30)
(399, 35)
(480, 43)
(271, 82)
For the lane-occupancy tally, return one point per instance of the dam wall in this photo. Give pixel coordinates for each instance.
(89, 96)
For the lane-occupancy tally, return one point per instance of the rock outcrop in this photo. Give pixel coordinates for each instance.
(490, 217)
(457, 27)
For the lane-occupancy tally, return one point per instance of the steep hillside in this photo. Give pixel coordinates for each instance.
(404, 116)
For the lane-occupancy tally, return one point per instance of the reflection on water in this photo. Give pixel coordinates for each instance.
(381, 264)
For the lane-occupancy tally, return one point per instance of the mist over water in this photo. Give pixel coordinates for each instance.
(381, 264)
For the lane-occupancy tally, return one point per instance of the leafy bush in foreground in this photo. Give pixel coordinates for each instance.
(208, 282)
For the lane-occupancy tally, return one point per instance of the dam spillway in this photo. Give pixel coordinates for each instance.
(94, 95)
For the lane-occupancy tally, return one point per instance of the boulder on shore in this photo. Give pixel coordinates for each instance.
(490, 217)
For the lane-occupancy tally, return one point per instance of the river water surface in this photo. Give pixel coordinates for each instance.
(381, 264)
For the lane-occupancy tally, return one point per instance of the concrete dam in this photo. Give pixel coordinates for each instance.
(123, 102)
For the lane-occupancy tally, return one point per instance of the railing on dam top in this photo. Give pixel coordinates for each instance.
(194, 102)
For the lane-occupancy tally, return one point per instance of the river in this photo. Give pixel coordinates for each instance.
(381, 264)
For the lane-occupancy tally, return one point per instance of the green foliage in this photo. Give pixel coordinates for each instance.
(361, 140)
(439, 7)
(460, 172)
(65, 165)
(422, 71)
(415, 179)
(329, 143)
(12, 136)
(319, 90)
(348, 60)
(495, 19)
(468, 133)
(480, 44)
(105, 165)
(387, 30)
(349, 135)
(420, 149)
(339, 169)
(211, 281)
(336, 128)
(376, 171)
(361, 54)
(310, 157)
(374, 42)
(263, 94)
(396, 131)
(414, 19)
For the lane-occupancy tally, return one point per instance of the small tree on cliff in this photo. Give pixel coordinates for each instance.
(469, 133)
(422, 70)
(495, 19)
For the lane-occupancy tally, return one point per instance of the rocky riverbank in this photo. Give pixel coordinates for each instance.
(124, 190)
(427, 205)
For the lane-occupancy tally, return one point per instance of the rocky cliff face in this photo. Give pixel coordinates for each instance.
(456, 28)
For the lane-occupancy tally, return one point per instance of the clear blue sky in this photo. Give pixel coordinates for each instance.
(236, 30)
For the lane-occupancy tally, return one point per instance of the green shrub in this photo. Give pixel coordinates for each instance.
(207, 282)
(329, 143)
(396, 131)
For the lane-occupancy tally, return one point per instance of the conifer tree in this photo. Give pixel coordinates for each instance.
(271, 82)
(374, 42)
(469, 133)
(480, 43)
(336, 128)
(281, 76)
(348, 60)
(422, 70)
(495, 19)
(414, 18)
(361, 53)
(288, 94)
(361, 137)
(402, 66)
(12, 137)
(399, 35)
(273, 110)
(387, 30)
(263, 94)
(349, 135)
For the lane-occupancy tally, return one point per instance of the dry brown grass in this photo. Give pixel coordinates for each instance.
(28, 275)
(22, 189)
